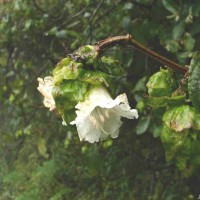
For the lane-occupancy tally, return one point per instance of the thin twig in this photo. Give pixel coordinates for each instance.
(160, 58)
(103, 45)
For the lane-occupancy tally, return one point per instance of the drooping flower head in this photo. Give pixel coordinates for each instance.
(78, 91)
(99, 116)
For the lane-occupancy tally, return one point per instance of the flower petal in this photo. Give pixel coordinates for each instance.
(98, 96)
(45, 88)
(99, 116)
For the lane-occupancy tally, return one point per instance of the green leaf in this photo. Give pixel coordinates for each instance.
(62, 34)
(173, 141)
(182, 117)
(142, 125)
(94, 161)
(64, 62)
(195, 160)
(189, 42)
(109, 66)
(196, 8)
(27, 25)
(74, 23)
(52, 31)
(61, 192)
(27, 130)
(126, 21)
(93, 77)
(140, 85)
(172, 46)
(188, 160)
(183, 56)
(47, 170)
(194, 81)
(161, 83)
(168, 4)
(128, 6)
(182, 164)
(156, 130)
(178, 30)
(66, 69)
(141, 106)
(41, 144)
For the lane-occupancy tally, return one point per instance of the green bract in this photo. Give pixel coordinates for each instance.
(109, 66)
(173, 141)
(68, 69)
(68, 93)
(161, 83)
(183, 148)
(182, 117)
(180, 137)
(194, 81)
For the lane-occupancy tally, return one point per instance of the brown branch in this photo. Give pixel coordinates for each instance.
(160, 58)
(103, 45)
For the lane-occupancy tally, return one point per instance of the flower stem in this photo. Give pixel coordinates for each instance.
(103, 45)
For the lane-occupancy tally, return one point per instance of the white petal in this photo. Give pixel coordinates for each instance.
(98, 96)
(45, 88)
(99, 116)
(85, 130)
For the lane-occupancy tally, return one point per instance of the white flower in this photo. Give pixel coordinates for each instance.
(45, 88)
(99, 115)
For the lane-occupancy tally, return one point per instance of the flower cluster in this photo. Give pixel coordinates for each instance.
(81, 97)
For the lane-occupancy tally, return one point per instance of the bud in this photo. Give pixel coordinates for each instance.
(182, 117)
(180, 137)
(161, 83)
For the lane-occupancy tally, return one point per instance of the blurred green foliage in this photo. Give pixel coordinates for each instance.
(40, 158)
